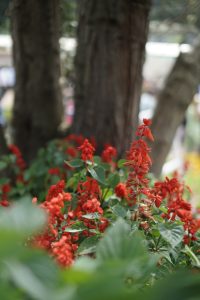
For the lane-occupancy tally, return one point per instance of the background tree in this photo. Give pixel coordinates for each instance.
(111, 44)
(38, 107)
(3, 18)
(173, 101)
(185, 12)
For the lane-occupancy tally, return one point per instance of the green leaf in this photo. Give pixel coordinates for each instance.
(119, 244)
(97, 160)
(88, 245)
(119, 210)
(171, 233)
(3, 165)
(77, 227)
(193, 257)
(23, 218)
(27, 281)
(75, 163)
(120, 163)
(74, 201)
(98, 174)
(74, 230)
(72, 181)
(27, 174)
(91, 216)
(113, 180)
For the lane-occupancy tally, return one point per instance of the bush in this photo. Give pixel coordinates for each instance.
(151, 230)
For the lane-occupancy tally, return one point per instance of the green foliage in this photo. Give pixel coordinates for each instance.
(69, 17)
(116, 234)
(123, 268)
(171, 233)
(179, 11)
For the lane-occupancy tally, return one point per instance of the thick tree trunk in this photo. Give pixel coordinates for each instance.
(3, 145)
(180, 88)
(111, 44)
(38, 105)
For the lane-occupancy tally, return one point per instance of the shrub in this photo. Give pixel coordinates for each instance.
(150, 227)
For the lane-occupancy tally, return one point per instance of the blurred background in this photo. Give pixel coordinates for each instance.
(170, 75)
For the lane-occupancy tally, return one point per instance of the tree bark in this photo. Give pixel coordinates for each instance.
(180, 88)
(3, 145)
(38, 105)
(110, 54)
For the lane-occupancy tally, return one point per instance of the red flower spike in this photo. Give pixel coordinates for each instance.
(147, 122)
(120, 190)
(87, 150)
(108, 154)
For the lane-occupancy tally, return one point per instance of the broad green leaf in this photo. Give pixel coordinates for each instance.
(119, 210)
(97, 160)
(120, 163)
(119, 244)
(91, 216)
(23, 219)
(113, 180)
(171, 233)
(75, 163)
(27, 281)
(98, 174)
(193, 257)
(77, 227)
(74, 230)
(88, 245)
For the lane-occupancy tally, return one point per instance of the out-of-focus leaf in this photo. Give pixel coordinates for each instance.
(171, 233)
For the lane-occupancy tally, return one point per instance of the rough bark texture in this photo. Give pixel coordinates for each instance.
(180, 88)
(38, 106)
(111, 44)
(3, 145)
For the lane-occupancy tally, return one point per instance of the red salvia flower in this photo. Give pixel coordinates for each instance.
(121, 190)
(54, 171)
(87, 150)
(108, 154)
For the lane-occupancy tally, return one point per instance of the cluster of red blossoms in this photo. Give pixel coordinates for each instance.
(173, 191)
(56, 239)
(19, 161)
(60, 237)
(87, 150)
(108, 154)
(136, 189)
(62, 247)
(138, 161)
(5, 189)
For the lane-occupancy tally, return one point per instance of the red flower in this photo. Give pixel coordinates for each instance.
(87, 150)
(6, 188)
(143, 130)
(71, 151)
(103, 224)
(147, 122)
(120, 190)
(92, 206)
(108, 154)
(78, 139)
(55, 190)
(19, 159)
(4, 203)
(54, 171)
(63, 250)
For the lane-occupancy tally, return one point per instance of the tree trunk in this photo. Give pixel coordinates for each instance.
(3, 145)
(180, 88)
(38, 105)
(111, 44)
